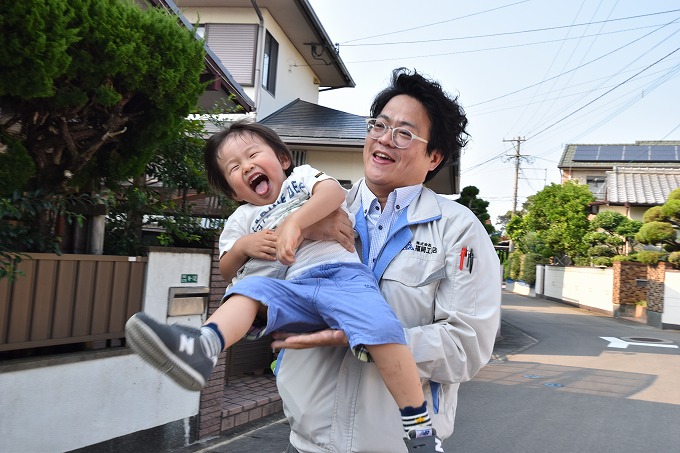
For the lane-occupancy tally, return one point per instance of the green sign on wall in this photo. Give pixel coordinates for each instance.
(189, 278)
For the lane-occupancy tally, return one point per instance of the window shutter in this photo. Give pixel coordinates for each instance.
(235, 45)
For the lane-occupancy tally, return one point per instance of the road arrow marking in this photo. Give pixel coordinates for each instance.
(621, 344)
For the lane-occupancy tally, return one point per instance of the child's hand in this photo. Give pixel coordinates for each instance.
(289, 239)
(260, 245)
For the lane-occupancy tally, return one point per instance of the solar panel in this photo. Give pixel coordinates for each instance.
(633, 153)
(663, 154)
(585, 153)
(626, 153)
(611, 153)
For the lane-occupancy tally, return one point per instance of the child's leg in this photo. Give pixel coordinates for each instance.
(185, 354)
(398, 369)
(400, 374)
(234, 317)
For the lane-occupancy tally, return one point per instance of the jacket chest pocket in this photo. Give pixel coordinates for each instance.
(416, 269)
(410, 285)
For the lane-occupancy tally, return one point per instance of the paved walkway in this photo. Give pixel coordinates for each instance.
(249, 398)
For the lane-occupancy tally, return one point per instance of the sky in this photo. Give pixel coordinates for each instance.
(546, 72)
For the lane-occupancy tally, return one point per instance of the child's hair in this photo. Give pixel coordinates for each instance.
(239, 128)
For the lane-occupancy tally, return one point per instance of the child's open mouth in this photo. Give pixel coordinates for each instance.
(260, 184)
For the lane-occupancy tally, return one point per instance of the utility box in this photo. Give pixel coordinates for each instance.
(188, 303)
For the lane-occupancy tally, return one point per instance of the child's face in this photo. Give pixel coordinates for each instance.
(252, 169)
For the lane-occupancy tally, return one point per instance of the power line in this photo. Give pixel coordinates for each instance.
(603, 94)
(577, 67)
(492, 35)
(437, 23)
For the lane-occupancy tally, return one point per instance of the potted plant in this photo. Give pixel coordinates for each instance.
(640, 308)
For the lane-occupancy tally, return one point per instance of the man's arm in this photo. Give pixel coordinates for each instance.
(328, 337)
(327, 196)
(336, 226)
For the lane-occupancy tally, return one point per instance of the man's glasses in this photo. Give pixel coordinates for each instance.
(401, 137)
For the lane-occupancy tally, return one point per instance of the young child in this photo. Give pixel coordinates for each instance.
(324, 286)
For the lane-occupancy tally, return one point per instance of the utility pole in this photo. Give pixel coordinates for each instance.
(518, 156)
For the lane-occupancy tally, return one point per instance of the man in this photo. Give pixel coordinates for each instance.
(435, 265)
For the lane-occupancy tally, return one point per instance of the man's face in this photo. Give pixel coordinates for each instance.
(387, 167)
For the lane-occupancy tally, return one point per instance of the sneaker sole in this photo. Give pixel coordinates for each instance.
(145, 343)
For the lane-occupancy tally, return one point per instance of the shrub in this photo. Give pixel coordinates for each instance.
(650, 257)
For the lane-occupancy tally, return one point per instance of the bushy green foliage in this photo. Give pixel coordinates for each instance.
(558, 216)
(513, 267)
(650, 257)
(674, 258)
(468, 197)
(21, 214)
(603, 261)
(16, 166)
(90, 90)
(660, 227)
(611, 233)
(94, 87)
(530, 261)
(657, 233)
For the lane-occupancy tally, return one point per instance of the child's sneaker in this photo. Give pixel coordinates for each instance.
(174, 350)
(423, 440)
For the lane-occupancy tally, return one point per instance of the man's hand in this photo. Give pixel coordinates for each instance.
(328, 337)
(335, 227)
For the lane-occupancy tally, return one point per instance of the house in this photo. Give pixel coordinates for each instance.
(222, 89)
(625, 178)
(277, 50)
(283, 59)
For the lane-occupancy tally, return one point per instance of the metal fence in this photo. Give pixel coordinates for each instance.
(59, 300)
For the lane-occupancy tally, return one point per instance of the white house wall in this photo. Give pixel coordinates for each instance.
(349, 167)
(293, 78)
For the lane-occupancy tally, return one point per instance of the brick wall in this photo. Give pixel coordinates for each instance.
(230, 398)
(656, 278)
(212, 395)
(625, 289)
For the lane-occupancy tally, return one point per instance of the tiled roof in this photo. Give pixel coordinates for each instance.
(307, 123)
(567, 160)
(641, 186)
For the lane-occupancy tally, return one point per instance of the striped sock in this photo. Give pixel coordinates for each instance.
(415, 417)
(211, 340)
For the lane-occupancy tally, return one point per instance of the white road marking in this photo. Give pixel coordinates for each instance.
(621, 344)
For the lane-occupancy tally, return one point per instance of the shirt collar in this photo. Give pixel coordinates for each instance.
(402, 196)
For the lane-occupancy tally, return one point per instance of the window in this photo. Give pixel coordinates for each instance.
(271, 55)
(299, 157)
(598, 186)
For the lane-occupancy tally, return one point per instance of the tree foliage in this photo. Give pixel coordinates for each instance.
(611, 233)
(468, 197)
(91, 88)
(661, 224)
(557, 217)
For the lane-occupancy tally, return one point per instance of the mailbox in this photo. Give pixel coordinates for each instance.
(188, 300)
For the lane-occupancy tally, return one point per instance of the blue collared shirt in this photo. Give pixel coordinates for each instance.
(380, 222)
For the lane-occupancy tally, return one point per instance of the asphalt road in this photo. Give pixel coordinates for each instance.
(561, 380)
